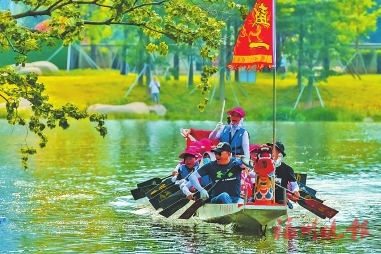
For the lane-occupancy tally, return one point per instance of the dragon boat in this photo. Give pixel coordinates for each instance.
(253, 216)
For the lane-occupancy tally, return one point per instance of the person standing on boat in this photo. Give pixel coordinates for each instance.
(233, 133)
(284, 175)
(226, 190)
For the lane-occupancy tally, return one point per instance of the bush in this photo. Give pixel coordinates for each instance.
(283, 114)
(321, 114)
(377, 118)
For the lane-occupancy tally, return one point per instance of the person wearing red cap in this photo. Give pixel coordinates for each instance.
(207, 157)
(233, 133)
(253, 153)
(190, 163)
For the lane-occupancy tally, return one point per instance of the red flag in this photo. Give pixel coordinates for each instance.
(254, 45)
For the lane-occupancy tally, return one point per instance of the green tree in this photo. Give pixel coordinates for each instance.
(360, 19)
(316, 31)
(94, 34)
(181, 21)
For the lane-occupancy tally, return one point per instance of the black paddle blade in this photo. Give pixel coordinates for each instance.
(180, 203)
(174, 208)
(306, 189)
(192, 209)
(153, 181)
(301, 177)
(155, 201)
(141, 192)
(178, 195)
(161, 186)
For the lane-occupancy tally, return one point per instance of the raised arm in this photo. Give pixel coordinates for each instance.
(216, 133)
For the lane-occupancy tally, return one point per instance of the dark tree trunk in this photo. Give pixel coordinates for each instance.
(300, 57)
(93, 52)
(148, 76)
(310, 91)
(123, 68)
(191, 72)
(140, 68)
(176, 66)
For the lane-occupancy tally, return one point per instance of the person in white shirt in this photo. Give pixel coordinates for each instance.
(155, 90)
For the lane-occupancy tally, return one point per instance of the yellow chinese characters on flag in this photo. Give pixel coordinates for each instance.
(254, 45)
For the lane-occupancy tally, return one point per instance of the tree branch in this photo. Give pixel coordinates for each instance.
(109, 22)
(4, 97)
(59, 4)
(147, 4)
(10, 44)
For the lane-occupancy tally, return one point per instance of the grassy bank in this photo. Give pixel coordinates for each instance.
(344, 98)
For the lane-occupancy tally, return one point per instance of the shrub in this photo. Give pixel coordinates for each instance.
(321, 114)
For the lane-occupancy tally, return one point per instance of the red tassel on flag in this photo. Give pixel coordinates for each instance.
(255, 42)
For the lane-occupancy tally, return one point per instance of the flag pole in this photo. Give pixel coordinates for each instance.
(274, 72)
(255, 45)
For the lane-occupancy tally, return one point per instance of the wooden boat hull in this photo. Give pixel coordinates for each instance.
(243, 216)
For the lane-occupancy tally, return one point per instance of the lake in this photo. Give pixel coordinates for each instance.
(75, 196)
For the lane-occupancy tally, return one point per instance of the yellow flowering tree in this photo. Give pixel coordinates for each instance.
(184, 22)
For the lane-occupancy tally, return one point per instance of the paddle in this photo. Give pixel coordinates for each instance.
(186, 135)
(155, 201)
(179, 204)
(158, 199)
(167, 192)
(141, 192)
(200, 202)
(308, 196)
(307, 189)
(165, 203)
(316, 207)
(161, 186)
(302, 204)
(174, 208)
(301, 177)
(153, 181)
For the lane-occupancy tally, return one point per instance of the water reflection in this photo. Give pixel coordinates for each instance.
(75, 196)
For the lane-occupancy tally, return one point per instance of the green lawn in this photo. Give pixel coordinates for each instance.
(344, 98)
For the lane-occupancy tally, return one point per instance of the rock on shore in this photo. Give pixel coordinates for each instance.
(132, 108)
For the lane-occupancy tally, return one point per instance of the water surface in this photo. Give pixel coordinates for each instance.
(75, 195)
